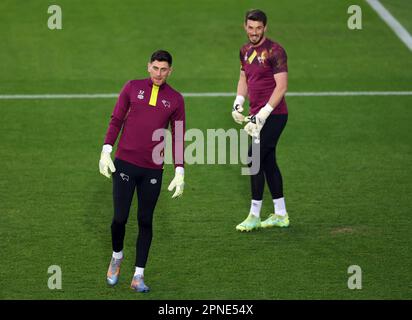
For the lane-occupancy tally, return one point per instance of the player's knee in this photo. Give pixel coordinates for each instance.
(144, 221)
(255, 160)
(119, 221)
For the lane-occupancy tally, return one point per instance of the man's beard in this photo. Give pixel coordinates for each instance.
(257, 41)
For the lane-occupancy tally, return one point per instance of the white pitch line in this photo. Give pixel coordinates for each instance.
(57, 96)
(390, 20)
(349, 93)
(202, 95)
(209, 94)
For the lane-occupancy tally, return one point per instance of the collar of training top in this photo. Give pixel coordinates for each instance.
(150, 83)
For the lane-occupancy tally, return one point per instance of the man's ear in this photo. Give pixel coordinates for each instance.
(148, 66)
(170, 70)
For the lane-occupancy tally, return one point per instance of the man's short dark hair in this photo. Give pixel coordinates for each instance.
(256, 15)
(161, 55)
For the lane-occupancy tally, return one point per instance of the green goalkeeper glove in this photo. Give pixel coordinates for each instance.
(106, 162)
(177, 182)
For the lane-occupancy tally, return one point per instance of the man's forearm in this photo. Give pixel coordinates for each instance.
(276, 97)
(242, 88)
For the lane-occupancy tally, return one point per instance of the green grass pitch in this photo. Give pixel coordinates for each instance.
(346, 161)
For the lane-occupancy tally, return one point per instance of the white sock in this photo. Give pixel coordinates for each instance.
(255, 207)
(118, 255)
(139, 271)
(280, 207)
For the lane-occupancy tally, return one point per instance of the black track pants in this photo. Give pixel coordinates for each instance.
(147, 183)
(269, 137)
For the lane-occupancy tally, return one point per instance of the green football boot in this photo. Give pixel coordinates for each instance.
(250, 223)
(275, 220)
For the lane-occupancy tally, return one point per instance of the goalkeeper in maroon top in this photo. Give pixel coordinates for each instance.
(263, 80)
(143, 111)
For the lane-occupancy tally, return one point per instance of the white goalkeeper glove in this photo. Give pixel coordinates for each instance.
(256, 122)
(106, 162)
(177, 182)
(238, 109)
